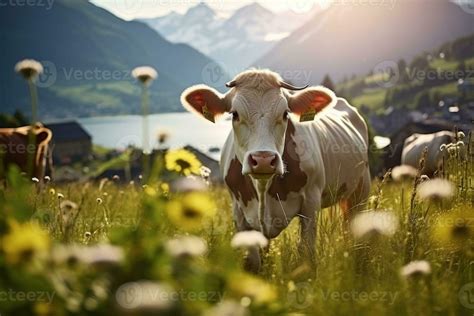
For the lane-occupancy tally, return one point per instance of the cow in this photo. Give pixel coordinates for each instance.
(15, 148)
(276, 168)
(415, 144)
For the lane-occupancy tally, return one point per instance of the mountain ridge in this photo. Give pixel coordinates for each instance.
(90, 46)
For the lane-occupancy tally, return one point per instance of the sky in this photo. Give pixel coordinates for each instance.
(132, 9)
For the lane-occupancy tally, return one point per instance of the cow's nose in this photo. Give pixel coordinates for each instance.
(263, 162)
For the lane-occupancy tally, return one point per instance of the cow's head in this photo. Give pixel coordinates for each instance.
(260, 106)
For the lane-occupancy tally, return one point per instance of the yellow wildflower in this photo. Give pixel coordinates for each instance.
(189, 211)
(24, 241)
(182, 161)
(259, 291)
(455, 230)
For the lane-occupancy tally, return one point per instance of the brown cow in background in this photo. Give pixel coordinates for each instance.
(15, 148)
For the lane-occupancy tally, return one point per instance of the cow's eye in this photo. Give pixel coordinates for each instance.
(235, 116)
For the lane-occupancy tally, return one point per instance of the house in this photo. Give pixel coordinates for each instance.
(71, 142)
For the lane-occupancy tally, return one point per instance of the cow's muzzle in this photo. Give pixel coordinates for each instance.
(263, 164)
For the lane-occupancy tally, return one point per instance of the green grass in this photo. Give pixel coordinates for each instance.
(444, 65)
(351, 277)
(470, 63)
(87, 94)
(373, 99)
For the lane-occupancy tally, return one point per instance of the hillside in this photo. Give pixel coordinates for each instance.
(345, 40)
(89, 54)
(435, 84)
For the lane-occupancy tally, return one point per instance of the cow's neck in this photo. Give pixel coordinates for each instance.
(261, 191)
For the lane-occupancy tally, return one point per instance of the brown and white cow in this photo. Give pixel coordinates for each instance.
(15, 148)
(276, 168)
(415, 144)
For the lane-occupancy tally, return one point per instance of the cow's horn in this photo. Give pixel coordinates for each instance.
(231, 84)
(288, 86)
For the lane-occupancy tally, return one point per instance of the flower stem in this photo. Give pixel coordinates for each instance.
(145, 135)
(31, 133)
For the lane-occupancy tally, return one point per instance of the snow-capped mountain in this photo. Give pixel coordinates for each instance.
(234, 42)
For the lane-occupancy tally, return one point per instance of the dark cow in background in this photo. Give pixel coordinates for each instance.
(15, 148)
(415, 145)
(392, 154)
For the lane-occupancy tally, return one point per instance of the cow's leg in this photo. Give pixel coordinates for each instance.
(356, 202)
(308, 216)
(252, 261)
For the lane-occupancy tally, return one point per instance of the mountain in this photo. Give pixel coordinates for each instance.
(234, 42)
(88, 54)
(346, 40)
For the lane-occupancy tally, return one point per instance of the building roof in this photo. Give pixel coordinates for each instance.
(68, 131)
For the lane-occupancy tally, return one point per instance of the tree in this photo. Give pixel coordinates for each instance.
(402, 67)
(328, 83)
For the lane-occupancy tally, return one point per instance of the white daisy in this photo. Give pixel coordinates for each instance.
(436, 189)
(404, 172)
(29, 68)
(145, 74)
(416, 268)
(101, 254)
(249, 239)
(374, 223)
(228, 308)
(145, 296)
(424, 178)
(186, 246)
(188, 184)
(205, 172)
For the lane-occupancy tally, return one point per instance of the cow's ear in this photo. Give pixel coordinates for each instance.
(307, 103)
(204, 101)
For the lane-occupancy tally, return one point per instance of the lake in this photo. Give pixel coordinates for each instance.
(183, 129)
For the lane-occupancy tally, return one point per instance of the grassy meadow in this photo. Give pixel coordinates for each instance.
(165, 248)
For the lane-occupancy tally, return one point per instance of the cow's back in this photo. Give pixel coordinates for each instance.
(339, 150)
(15, 148)
(415, 144)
